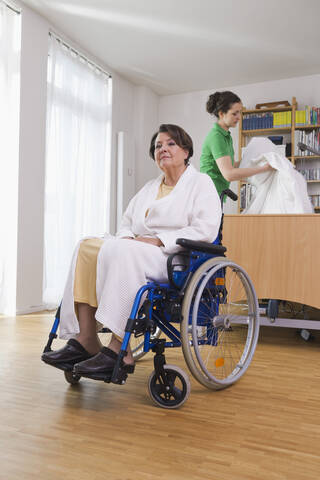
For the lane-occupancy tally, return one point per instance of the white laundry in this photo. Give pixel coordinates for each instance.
(192, 210)
(282, 190)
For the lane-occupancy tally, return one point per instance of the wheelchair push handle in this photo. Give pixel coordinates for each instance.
(229, 193)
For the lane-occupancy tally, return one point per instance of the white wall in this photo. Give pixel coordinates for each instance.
(34, 53)
(189, 110)
(145, 125)
(122, 121)
(135, 113)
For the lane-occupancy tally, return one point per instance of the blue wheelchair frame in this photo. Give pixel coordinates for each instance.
(155, 292)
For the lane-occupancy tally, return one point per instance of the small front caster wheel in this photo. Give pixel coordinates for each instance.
(71, 377)
(172, 390)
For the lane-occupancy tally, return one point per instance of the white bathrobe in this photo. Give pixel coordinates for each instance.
(192, 210)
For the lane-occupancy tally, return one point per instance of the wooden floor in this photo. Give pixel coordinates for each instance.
(266, 427)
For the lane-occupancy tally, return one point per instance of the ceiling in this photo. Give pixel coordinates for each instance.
(175, 46)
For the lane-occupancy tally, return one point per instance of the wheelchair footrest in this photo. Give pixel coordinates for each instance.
(118, 376)
(103, 376)
(61, 366)
(120, 373)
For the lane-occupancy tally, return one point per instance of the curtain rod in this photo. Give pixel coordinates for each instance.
(65, 44)
(12, 7)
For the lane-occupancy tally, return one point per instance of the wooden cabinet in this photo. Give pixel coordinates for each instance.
(279, 252)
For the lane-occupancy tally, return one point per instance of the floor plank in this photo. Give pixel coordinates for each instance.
(266, 427)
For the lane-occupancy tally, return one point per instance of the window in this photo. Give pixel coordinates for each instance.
(9, 158)
(77, 160)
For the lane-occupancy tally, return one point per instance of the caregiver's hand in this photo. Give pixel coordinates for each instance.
(153, 241)
(266, 168)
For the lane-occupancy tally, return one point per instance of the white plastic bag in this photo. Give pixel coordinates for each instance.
(282, 190)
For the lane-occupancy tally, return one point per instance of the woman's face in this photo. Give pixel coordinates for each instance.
(232, 116)
(168, 154)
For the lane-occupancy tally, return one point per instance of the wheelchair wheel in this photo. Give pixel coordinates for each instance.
(220, 325)
(137, 344)
(173, 390)
(71, 377)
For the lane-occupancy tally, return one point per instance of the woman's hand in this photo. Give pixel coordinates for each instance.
(152, 241)
(266, 168)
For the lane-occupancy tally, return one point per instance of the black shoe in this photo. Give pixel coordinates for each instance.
(101, 364)
(65, 358)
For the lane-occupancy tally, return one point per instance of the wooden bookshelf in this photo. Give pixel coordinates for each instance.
(266, 110)
(306, 127)
(304, 157)
(266, 131)
(244, 135)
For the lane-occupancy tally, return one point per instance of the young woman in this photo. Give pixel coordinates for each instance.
(217, 158)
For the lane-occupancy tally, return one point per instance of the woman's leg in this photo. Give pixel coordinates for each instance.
(86, 343)
(123, 267)
(115, 345)
(88, 336)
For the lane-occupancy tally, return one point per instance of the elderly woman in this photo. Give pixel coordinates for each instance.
(106, 274)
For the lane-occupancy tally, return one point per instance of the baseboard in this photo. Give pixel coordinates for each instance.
(35, 308)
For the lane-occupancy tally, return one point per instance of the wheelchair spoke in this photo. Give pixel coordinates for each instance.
(223, 318)
(160, 389)
(176, 393)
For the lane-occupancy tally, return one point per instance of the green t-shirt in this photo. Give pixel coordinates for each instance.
(218, 143)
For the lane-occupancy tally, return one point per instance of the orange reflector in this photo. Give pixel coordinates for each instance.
(219, 362)
(219, 281)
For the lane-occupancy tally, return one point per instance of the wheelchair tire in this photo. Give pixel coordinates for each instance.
(71, 378)
(175, 393)
(220, 326)
(138, 343)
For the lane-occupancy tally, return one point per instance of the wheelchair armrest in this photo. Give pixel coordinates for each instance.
(201, 246)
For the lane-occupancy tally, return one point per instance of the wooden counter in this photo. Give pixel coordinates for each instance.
(281, 254)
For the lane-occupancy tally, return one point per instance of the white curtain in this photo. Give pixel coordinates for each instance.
(77, 161)
(9, 153)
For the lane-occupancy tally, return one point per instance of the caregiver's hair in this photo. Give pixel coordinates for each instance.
(221, 102)
(177, 134)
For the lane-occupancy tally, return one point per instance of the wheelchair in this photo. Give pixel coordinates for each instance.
(208, 307)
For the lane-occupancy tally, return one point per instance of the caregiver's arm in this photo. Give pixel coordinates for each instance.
(231, 173)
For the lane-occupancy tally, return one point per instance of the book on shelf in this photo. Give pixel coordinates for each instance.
(309, 138)
(276, 139)
(246, 193)
(308, 116)
(259, 121)
(310, 173)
